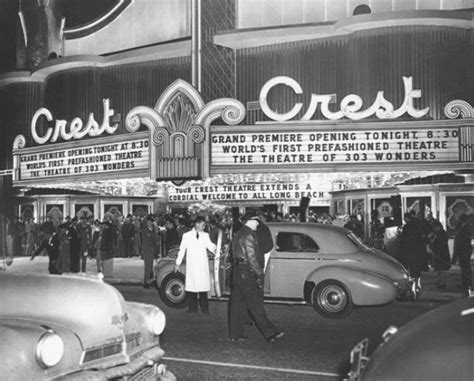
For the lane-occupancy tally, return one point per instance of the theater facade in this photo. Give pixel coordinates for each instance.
(237, 104)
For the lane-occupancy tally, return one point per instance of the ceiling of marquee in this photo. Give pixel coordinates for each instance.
(143, 187)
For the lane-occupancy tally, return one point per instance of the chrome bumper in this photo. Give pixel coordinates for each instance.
(145, 367)
(358, 360)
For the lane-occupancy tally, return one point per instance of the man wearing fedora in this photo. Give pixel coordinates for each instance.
(247, 284)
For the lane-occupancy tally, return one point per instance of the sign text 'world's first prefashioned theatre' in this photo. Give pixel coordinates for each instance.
(238, 106)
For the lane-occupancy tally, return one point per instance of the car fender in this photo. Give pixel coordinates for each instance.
(19, 339)
(165, 266)
(366, 288)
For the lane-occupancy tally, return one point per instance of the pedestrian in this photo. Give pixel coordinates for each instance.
(247, 282)
(150, 245)
(265, 241)
(355, 226)
(51, 244)
(64, 258)
(84, 231)
(137, 225)
(440, 252)
(74, 244)
(171, 235)
(107, 248)
(30, 230)
(194, 246)
(461, 222)
(128, 236)
(16, 231)
(412, 251)
(463, 251)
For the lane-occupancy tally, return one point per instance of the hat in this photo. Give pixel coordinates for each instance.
(251, 215)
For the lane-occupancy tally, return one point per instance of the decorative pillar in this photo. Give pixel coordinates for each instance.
(42, 25)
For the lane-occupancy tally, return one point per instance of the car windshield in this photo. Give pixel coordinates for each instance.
(357, 241)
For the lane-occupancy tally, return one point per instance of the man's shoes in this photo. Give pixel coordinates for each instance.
(240, 338)
(205, 312)
(275, 336)
(146, 286)
(192, 311)
(250, 323)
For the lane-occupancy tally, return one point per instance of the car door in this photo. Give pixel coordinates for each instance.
(293, 257)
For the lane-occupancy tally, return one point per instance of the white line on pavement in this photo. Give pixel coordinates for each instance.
(286, 370)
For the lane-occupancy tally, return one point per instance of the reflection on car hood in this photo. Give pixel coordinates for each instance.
(435, 346)
(88, 307)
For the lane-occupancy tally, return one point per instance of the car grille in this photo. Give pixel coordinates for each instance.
(133, 340)
(103, 351)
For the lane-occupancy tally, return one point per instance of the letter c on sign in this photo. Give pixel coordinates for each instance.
(282, 80)
(38, 139)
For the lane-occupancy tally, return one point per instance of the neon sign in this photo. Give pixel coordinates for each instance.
(350, 106)
(77, 129)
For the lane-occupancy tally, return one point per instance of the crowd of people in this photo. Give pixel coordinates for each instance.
(421, 243)
(417, 244)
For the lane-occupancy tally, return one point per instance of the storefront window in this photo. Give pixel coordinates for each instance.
(84, 211)
(455, 207)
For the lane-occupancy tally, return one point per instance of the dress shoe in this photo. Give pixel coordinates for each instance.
(275, 336)
(250, 323)
(240, 338)
(146, 285)
(205, 312)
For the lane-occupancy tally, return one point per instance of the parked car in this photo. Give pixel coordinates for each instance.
(323, 265)
(57, 327)
(437, 345)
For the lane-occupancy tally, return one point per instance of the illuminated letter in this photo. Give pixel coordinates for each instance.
(407, 105)
(282, 80)
(108, 112)
(38, 139)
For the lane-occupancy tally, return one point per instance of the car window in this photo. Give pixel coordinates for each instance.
(295, 242)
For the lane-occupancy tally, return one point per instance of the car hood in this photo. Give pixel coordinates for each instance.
(89, 307)
(435, 346)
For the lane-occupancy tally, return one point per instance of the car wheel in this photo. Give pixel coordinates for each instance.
(172, 291)
(332, 299)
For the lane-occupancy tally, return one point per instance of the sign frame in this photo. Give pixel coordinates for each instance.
(110, 139)
(349, 126)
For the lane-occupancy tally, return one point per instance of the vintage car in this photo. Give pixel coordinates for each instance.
(437, 345)
(323, 265)
(72, 327)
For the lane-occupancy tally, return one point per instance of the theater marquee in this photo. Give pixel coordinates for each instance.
(298, 147)
(120, 156)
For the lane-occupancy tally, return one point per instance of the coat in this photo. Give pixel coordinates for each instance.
(197, 263)
(439, 246)
(412, 252)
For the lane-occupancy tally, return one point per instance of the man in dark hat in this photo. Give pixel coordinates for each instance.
(128, 235)
(75, 245)
(247, 284)
(51, 244)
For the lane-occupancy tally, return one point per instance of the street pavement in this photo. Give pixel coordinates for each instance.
(129, 271)
(313, 348)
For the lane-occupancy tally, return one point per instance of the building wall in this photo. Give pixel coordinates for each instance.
(264, 13)
(78, 92)
(363, 63)
(143, 22)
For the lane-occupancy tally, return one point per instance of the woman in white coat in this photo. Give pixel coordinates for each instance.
(194, 245)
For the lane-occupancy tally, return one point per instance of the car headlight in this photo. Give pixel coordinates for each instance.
(49, 350)
(156, 320)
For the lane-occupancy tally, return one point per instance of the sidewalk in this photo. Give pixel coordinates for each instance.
(130, 271)
(126, 270)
